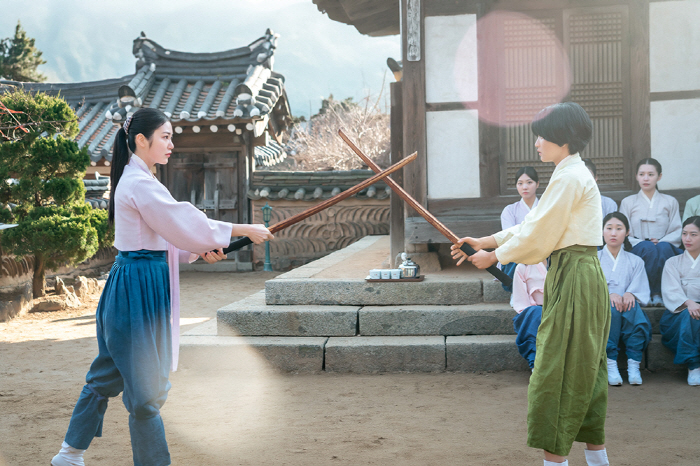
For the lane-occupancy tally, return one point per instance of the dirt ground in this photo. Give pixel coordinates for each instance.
(263, 418)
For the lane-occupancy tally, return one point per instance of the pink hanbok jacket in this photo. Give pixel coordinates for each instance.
(528, 286)
(146, 216)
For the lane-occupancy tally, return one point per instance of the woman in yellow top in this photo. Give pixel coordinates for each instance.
(567, 396)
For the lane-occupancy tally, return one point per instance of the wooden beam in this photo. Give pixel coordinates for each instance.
(674, 95)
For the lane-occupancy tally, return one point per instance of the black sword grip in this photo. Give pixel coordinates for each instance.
(238, 244)
(493, 270)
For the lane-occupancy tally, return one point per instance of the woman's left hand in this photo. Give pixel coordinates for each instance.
(213, 256)
(628, 301)
(483, 259)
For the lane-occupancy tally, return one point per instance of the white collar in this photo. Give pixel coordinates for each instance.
(141, 164)
(614, 259)
(534, 204)
(650, 201)
(693, 261)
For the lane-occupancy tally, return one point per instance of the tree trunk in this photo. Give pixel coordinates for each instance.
(38, 283)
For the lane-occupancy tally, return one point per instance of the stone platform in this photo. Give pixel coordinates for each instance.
(308, 320)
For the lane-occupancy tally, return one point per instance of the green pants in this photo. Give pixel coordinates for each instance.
(568, 392)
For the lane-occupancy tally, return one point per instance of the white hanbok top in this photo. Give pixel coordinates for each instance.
(680, 281)
(513, 214)
(569, 213)
(625, 274)
(658, 217)
(528, 286)
(146, 216)
(609, 206)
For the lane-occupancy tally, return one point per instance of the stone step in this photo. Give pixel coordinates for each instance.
(252, 316)
(202, 349)
(473, 319)
(385, 354)
(251, 354)
(287, 290)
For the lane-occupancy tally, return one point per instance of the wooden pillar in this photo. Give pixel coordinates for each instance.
(640, 140)
(413, 91)
(396, 225)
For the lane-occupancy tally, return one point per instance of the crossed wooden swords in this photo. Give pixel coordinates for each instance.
(380, 175)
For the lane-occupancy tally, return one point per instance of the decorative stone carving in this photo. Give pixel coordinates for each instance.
(321, 234)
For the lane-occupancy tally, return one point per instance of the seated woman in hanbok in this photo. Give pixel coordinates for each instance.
(528, 295)
(655, 224)
(526, 182)
(628, 286)
(680, 324)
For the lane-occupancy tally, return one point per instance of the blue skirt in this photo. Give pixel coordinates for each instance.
(134, 340)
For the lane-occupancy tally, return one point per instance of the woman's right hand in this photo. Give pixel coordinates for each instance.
(693, 309)
(257, 233)
(459, 255)
(617, 303)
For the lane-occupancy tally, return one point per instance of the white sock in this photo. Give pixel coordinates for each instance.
(552, 463)
(72, 456)
(597, 457)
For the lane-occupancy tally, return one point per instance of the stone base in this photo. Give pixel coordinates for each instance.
(385, 354)
(475, 319)
(251, 354)
(358, 292)
(252, 316)
(484, 353)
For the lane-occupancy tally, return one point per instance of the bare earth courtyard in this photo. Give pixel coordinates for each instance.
(258, 417)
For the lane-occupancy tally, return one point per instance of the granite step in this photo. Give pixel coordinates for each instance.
(202, 349)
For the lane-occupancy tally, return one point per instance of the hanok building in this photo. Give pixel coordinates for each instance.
(228, 109)
(476, 72)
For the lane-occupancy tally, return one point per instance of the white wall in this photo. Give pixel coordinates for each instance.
(674, 65)
(675, 142)
(453, 154)
(451, 59)
(674, 45)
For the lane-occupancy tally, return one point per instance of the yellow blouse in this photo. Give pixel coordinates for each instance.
(569, 213)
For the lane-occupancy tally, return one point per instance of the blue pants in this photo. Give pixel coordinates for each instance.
(655, 256)
(133, 336)
(525, 325)
(681, 334)
(632, 328)
(508, 269)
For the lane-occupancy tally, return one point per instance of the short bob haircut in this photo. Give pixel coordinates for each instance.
(564, 123)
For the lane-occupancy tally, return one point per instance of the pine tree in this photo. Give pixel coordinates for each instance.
(19, 58)
(44, 171)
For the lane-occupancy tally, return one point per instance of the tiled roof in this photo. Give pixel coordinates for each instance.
(309, 186)
(269, 155)
(237, 86)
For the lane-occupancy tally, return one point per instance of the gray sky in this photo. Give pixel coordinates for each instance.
(87, 40)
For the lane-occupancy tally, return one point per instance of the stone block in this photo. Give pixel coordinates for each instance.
(494, 292)
(385, 354)
(474, 319)
(484, 353)
(251, 354)
(429, 261)
(15, 301)
(654, 314)
(49, 304)
(251, 316)
(358, 292)
(659, 358)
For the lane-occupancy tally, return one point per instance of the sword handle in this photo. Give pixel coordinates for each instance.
(238, 244)
(493, 270)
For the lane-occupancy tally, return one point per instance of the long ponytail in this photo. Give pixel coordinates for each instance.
(145, 121)
(120, 158)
